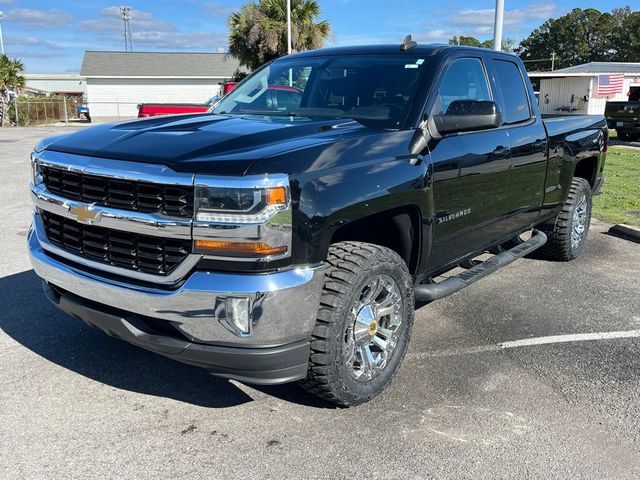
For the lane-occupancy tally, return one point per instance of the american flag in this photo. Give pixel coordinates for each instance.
(610, 84)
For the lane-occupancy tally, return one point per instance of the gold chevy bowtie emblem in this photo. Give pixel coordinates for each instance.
(373, 328)
(84, 213)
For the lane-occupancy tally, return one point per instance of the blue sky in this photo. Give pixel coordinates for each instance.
(51, 36)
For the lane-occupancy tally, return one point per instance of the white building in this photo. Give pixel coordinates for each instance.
(118, 81)
(574, 89)
(55, 83)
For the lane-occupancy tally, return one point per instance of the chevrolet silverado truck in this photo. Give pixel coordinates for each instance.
(272, 245)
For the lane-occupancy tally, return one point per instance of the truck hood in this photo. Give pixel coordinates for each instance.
(203, 143)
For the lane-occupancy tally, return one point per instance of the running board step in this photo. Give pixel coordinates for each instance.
(428, 292)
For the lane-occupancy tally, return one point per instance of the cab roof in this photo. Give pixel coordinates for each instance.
(423, 50)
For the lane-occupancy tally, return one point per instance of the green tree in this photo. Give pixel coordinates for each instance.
(626, 35)
(584, 35)
(258, 31)
(508, 44)
(467, 41)
(10, 79)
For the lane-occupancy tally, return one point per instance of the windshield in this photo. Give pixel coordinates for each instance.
(374, 90)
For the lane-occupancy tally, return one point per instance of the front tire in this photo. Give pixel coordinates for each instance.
(364, 323)
(568, 236)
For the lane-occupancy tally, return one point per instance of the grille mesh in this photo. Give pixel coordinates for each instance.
(143, 253)
(172, 200)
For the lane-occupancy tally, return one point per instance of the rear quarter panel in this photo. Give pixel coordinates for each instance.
(572, 138)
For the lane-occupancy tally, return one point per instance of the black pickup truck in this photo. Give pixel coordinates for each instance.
(272, 244)
(624, 117)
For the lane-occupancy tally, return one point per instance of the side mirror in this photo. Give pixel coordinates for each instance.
(468, 116)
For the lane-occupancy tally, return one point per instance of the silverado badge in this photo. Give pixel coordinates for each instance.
(84, 213)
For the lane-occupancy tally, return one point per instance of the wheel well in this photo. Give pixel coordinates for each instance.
(586, 169)
(397, 229)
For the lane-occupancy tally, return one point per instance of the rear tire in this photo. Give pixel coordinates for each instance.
(568, 236)
(364, 323)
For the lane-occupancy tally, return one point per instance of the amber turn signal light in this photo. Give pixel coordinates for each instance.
(276, 196)
(253, 248)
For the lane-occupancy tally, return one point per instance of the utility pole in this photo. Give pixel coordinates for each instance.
(1, 42)
(553, 61)
(125, 13)
(289, 27)
(497, 29)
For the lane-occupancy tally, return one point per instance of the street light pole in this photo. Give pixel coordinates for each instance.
(1, 42)
(289, 27)
(497, 29)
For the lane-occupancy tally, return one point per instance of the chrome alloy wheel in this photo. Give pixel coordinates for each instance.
(579, 222)
(372, 331)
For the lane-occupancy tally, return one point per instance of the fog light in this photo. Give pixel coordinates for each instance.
(237, 314)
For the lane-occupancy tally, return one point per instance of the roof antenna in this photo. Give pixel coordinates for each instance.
(408, 44)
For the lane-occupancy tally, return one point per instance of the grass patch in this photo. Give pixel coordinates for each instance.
(620, 198)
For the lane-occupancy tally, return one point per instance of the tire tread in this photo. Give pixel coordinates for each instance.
(558, 246)
(344, 263)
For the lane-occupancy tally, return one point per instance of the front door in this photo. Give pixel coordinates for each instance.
(471, 171)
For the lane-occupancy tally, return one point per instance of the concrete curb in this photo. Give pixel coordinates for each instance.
(626, 231)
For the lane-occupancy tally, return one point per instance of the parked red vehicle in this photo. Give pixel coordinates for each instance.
(280, 96)
(227, 87)
(154, 109)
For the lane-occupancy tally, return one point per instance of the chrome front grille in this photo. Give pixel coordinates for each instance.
(132, 195)
(132, 251)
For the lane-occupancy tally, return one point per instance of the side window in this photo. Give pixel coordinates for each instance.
(516, 101)
(464, 80)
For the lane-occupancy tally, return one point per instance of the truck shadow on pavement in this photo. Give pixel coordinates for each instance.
(30, 320)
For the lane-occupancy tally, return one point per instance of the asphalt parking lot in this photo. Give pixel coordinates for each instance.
(503, 380)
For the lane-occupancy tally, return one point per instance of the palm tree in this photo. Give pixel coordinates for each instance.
(10, 79)
(258, 31)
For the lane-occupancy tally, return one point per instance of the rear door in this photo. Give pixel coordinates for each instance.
(527, 140)
(471, 170)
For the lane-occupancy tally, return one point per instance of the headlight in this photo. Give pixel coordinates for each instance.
(239, 205)
(246, 218)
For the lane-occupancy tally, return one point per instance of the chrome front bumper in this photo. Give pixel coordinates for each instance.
(283, 304)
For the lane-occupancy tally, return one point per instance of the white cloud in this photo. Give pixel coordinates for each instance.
(110, 21)
(28, 53)
(517, 16)
(483, 30)
(6, 2)
(432, 35)
(32, 19)
(213, 9)
(179, 40)
(150, 33)
(30, 42)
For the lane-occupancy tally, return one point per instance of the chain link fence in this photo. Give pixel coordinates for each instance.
(25, 111)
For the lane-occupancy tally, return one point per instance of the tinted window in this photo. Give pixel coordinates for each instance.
(463, 80)
(514, 94)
